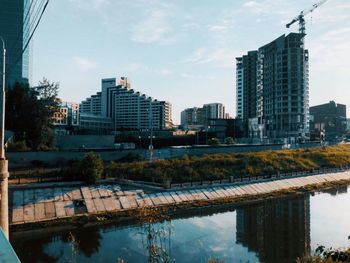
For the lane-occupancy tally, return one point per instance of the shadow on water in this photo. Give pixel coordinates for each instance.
(271, 230)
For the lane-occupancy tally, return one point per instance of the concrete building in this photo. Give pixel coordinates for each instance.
(246, 83)
(192, 117)
(15, 21)
(329, 118)
(273, 86)
(201, 117)
(126, 108)
(66, 118)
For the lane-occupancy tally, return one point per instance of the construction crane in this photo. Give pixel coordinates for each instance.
(302, 14)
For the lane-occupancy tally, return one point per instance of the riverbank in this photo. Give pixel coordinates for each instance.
(37, 208)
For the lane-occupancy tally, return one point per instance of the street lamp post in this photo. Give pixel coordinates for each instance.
(4, 224)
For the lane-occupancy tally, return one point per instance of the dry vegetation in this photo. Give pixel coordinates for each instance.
(222, 166)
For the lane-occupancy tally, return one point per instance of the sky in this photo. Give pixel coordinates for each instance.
(183, 51)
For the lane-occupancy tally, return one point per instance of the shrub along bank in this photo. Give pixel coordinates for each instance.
(222, 166)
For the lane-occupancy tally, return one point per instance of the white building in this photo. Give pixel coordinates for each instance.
(127, 108)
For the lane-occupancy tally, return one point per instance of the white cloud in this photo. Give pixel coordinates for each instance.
(152, 29)
(84, 63)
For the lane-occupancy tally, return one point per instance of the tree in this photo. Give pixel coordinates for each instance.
(29, 113)
(229, 140)
(91, 168)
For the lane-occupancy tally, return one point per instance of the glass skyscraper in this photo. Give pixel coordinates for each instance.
(15, 29)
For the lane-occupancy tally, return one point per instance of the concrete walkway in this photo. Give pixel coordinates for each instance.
(42, 204)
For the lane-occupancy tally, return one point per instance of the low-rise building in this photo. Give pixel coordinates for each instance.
(197, 118)
(66, 119)
(329, 118)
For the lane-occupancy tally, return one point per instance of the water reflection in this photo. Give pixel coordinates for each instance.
(277, 230)
(86, 242)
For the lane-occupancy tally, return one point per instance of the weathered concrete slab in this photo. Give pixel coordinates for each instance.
(95, 192)
(69, 208)
(76, 193)
(17, 214)
(132, 201)
(208, 194)
(124, 202)
(28, 213)
(99, 204)
(60, 211)
(39, 211)
(176, 197)
(195, 195)
(50, 211)
(110, 204)
(201, 195)
(86, 193)
(162, 199)
(182, 196)
(90, 206)
(219, 192)
(169, 198)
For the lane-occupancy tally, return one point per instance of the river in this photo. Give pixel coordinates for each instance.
(274, 230)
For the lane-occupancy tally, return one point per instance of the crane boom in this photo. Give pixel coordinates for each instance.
(303, 13)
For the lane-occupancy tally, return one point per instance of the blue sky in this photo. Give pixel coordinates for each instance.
(183, 51)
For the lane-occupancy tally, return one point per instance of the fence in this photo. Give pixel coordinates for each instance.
(250, 178)
(38, 175)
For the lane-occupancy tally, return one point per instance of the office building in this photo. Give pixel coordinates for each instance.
(329, 118)
(273, 88)
(14, 28)
(126, 108)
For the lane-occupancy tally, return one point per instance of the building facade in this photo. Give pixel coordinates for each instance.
(126, 108)
(15, 28)
(66, 119)
(201, 117)
(273, 87)
(329, 118)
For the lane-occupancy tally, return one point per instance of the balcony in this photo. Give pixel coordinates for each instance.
(7, 254)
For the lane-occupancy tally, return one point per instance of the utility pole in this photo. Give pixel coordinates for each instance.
(4, 220)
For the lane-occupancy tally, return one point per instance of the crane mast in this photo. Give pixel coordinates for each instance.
(300, 18)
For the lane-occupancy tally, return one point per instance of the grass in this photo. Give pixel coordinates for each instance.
(222, 166)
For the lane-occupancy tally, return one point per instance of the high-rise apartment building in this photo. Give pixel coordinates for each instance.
(273, 88)
(246, 82)
(14, 29)
(127, 108)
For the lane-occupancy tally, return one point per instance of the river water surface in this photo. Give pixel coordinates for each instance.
(276, 230)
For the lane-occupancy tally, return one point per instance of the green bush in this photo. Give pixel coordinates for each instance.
(229, 140)
(214, 141)
(19, 146)
(91, 168)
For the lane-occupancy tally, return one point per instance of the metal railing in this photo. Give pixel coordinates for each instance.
(250, 178)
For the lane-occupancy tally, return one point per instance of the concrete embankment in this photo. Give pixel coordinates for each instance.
(59, 203)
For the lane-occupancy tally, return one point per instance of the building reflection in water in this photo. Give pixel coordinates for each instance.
(277, 230)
